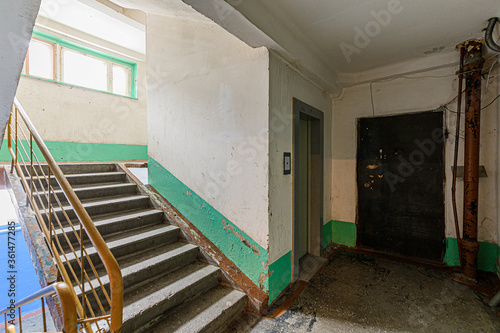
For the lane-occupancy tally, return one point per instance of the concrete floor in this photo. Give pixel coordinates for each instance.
(358, 293)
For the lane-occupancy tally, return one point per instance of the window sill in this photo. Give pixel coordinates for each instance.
(75, 86)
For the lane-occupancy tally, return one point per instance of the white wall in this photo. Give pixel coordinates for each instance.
(403, 95)
(208, 116)
(285, 84)
(16, 24)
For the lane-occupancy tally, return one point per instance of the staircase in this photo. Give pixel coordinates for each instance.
(169, 286)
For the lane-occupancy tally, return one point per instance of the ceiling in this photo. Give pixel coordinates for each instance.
(391, 30)
(328, 38)
(94, 19)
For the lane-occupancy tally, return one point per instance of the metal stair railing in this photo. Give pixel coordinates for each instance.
(68, 306)
(39, 179)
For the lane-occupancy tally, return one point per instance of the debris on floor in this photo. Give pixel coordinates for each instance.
(360, 293)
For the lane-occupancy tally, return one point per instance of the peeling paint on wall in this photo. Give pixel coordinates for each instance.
(43, 262)
(237, 246)
(230, 228)
(263, 277)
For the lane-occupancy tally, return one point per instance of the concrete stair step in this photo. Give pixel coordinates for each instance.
(241, 323)
(209, 312)
(126, 243)
(144, 266)
(156, 296)
(166, 287)
(83, 178)
(97, 184)
(89, 191)
(74, 168)
(146, 254)
(108, 205)
(113, 223)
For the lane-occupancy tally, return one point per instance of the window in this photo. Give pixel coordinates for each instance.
(41, 59)
(61, 61)
(82, 70)
(121, 79)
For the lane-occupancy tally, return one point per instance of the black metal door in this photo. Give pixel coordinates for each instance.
(400, 174)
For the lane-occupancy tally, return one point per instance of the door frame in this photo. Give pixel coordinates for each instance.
(359, 242)
(301, 109)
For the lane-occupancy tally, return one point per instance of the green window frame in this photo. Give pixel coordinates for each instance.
(61, 44)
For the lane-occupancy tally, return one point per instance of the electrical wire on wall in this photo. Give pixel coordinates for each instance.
(455, 155)
(488, 79)
(434, 77)
(491, 44)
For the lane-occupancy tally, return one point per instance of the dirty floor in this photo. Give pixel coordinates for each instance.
(358, 293)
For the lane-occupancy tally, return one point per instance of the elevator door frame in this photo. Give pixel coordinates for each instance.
(316, 178)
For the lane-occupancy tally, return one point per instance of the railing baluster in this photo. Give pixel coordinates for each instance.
(82, 260)
(50, 208)
(66, 299)
(31, 165)
(44, 318)
(87, 228)
(15, 111)
(9, 143)
(20, 321)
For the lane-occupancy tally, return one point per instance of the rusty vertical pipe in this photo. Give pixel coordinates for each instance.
(473, 61)
(455, 155)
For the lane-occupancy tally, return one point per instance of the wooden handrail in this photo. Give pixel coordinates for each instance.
(68, 305)
(109, 261)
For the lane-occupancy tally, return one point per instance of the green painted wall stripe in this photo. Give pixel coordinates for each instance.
(80, 152)
(451, 257)
(487, 257)
(243, 251)
(280, 277)
(327, 234)
(56, 40)
(344, 233)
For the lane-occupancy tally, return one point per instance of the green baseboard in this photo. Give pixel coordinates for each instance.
(84, 152)
(243, 251)
(280, 276)
(344, 233)
(487, 257)
(327, 234)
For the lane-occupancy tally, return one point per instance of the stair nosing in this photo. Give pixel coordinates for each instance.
(92, 174)
(178, 286)
(88, 188)
(121, 242)
(129, 270)
(110, 220)
(217, 309)
(124, 198)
